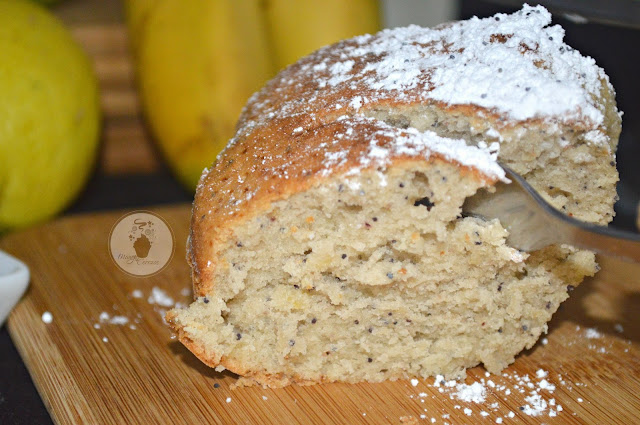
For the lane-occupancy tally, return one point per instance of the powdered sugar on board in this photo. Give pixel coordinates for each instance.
(481, 400)
(158, 298)
(540, 396)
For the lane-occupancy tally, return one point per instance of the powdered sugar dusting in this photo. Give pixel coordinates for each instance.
(592, 333)
(308, 121)
(413, 143)
(514, 64)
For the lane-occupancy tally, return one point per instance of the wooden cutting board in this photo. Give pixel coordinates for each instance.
(91, 372)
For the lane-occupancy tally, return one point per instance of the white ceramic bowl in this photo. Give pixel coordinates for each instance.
(14, 278)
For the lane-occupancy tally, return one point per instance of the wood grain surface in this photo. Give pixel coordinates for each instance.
(93, 372)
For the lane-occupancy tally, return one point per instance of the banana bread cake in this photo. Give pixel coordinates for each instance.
(327, 241)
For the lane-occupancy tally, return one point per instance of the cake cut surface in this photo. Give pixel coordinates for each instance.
(327, 241)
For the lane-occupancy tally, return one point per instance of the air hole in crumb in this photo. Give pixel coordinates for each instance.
(399, 122)
(424, 202)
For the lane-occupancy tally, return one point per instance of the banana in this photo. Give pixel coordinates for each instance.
(198, 61)
(136, 12)
(297, 27)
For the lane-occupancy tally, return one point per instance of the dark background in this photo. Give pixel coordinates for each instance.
(613, 46)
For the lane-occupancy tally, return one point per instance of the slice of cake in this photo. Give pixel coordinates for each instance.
(327, 242)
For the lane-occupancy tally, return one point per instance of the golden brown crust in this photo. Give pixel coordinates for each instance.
(249, 377)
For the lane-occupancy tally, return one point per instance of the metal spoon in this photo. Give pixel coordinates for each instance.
(533, 223)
